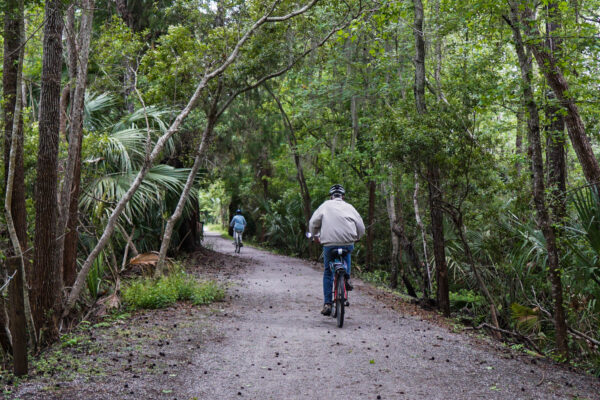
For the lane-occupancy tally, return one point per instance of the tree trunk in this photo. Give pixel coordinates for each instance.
(5, 336)
(370, 225)
(390, 201)
(19, 293)
(426, 272)
(433, 171)
(64, 106)
(304, 192)
(18, 324)
(549, 65)
(544, 220)
(13, 25)
(399, 240)
(160, 143)
(519, 141)
(70, 190)
(439, 246)
(166, 240)
(46, 281)
(557, 163)
(354, 116)
(555, 130)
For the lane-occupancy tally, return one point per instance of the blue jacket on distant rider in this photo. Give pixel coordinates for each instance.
(238, 222)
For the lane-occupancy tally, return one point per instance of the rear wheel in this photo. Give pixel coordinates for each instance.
(237, 243)
(340, 299)
(334, 307)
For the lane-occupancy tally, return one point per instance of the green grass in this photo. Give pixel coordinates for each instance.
(150, 293)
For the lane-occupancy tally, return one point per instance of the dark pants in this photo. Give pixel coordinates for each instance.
(327, 274)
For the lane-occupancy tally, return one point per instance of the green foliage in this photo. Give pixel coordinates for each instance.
(526, 318)
(466, 299)
(149, 293)
(94, 277)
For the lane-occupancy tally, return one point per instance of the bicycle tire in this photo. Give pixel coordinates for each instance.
(340, 300)
(237, 243)
(333, 295)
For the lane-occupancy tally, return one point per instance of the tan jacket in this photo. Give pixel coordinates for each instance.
(338, 223)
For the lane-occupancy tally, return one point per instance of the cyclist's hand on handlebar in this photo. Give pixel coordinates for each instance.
(312, 237)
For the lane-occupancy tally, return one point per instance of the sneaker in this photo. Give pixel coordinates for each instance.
(349, 286)
(326, 309)
(241, 244)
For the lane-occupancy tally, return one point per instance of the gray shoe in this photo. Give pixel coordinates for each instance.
(326, 309)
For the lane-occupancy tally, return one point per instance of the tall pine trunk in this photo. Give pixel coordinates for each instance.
(46, 281)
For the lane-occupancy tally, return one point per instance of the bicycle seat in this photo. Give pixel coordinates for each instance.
(339, 252)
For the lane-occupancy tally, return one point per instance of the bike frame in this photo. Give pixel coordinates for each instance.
(340, 269)
(338, 266)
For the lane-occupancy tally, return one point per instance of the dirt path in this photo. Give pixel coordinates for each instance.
(276, 345)
(270, 342)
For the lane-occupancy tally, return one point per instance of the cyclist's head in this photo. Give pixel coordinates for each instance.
(337, 190)
(238, 211)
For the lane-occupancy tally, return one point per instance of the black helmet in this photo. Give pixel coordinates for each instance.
(337, 190)
(238, 211)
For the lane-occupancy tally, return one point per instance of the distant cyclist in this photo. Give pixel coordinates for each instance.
(238, 222)
(338, 225)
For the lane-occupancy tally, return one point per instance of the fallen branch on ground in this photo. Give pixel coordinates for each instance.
(510, 333)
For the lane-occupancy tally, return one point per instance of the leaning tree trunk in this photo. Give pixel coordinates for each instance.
(46, 282)
(156, 151)
(206, 135)
(550, 67)
(544, 220)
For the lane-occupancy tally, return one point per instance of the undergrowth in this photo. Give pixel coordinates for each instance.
(153, 293)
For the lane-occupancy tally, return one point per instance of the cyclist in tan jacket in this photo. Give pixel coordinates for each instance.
(337, 224)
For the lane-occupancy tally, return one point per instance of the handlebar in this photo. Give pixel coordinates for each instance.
(314, 238)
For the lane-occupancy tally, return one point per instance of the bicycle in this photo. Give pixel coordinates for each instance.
(340, 293)
(237, 240)
(340, 274)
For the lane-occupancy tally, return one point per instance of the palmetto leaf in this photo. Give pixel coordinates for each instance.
(161, 181)
(587, 205)
(95, 117)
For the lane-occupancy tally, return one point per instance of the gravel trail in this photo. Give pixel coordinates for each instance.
(274, 344)
(269, 341)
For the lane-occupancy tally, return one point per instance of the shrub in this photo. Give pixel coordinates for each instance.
(150, 293)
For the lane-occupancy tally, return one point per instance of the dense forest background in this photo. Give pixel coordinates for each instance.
(466, 134)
